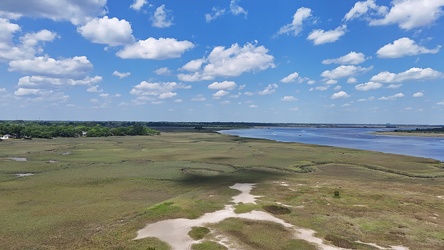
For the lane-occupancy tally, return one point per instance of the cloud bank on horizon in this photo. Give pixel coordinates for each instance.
(369, 61)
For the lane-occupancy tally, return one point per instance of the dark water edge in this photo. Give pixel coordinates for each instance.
(355, 138)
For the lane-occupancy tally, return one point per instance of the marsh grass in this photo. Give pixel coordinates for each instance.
(106, 189)
(197, 233)
(260, 235)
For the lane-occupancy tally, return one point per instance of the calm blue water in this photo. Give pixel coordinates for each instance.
(357, 138)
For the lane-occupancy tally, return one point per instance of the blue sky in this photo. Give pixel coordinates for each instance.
(300, 61)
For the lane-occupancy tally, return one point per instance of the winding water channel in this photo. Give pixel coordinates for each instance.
(356, 138)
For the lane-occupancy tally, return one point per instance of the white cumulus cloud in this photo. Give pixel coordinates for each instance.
(161, 17)
(409, 14)
(290, 78)
(76, 67)
(416, 74)
(295, 27)
(77, 12)
(321, 36)
(270, 89)
(152, 48)
(363, 8)
(368, 86)
(289, 98)
(344, 71)
(121, 75)
(404, 47)
(340, 94)
(418, 94)
(236, 10)
(229, 62)
(350, 58)
(220, 93)
(138, 4)
(392, 97)
(230, 85)
(105, 30)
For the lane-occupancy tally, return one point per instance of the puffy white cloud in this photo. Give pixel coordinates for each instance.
(149, 91)
(152, 48)
(229, 62)
(30, 43)
(340, 94)
(230, 85)
(408, 75)
(236, 10)
(214, 15)
(337, 88)
(193, 65)
(409, 14)
(220, 93)
(295, 26)
(25, 91)
(138, 4)
(121, 75)
(344, 71)
(105, 30)
(321, 36)
(394, 86)
(163, 71)
(167, 95)
(196, 76)
(392, 97)
(253, 106)
(94, 89)
(368, 86)
(363, 8)
(350, 58)
(289, 99)
(440, 103)
(331, 81)
(290, 78)
(147, 88)
(76, 67)
(270, 89)
(161, 19)
(418, 94)
(404, 47)
(29, 81)
(77, 12)
(352, 80)
(320, 88)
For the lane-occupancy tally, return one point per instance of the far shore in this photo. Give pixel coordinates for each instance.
(420, 134)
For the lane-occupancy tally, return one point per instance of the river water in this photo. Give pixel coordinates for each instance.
(356, 138)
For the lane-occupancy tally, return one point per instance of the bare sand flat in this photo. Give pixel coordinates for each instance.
(175, 231)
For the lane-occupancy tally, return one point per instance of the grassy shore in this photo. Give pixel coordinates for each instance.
(96, 193)
(422, 134)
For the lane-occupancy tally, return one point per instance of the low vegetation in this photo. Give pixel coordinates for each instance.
(96, 193)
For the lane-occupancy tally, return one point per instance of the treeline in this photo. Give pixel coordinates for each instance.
(422, 130)
(47, 129)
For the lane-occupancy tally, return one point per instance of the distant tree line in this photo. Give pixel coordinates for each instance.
(422, 130)
(48, 129)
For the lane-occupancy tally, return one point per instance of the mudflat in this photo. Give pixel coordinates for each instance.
(107, 189)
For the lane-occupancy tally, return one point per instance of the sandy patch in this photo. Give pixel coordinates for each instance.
(440, 197)
(18, 159)
(175, 231)
(384, 248)
(66, 153)
(24, 175)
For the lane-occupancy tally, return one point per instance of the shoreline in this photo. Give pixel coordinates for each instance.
(416, 134)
